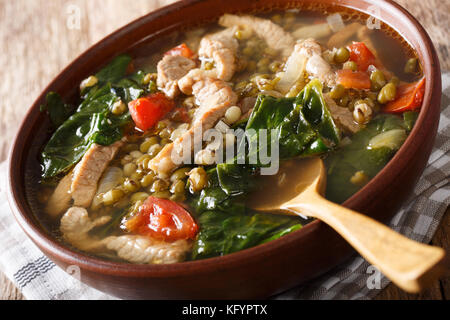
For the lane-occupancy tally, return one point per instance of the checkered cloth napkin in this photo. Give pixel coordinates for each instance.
(39, 278)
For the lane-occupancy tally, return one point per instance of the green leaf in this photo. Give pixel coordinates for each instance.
(234, 179)
(302, 125)
(69, 143)
(227, 232)
(128, 90)
(93, 121)
(57, 110)
(215, 198)
(115, 70)
(316, 112)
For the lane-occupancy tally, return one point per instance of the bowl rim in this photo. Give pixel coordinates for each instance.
(71, 257)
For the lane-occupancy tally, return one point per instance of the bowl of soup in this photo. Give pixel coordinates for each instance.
(136, 162)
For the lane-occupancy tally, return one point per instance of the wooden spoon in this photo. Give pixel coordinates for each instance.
(410, 265)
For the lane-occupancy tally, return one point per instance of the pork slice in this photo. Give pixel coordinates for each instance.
(186, 83)
(274, 35)
(170, 70)
(61, 198)
(308, 47)
(139, 249)
(75, 227)
(222, 47)
(214, 98)
(316, 65)
(341, 116)
(320, 69)
(89, 170)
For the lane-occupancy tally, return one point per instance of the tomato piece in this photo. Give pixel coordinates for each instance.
(163, 220)
(181, 50)
(409, 97)
(353, 79)
(362, 56)
(147, 111)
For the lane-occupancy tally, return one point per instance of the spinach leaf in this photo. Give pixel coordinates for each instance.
(93, 121)
(115, 70)
(128, 90)
(227, 232)
(302, 125)
(138, 77)
(68, 144)
(226, 226)
(359, 156)
(56, 109)
(316, 112)
(235, 179)
(213, 197)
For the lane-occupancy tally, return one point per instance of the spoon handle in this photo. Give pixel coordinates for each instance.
(409, 264)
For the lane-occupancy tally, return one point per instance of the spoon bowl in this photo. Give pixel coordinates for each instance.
(411, 265)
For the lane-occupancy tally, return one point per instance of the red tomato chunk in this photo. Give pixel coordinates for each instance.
(147, 111)
(163, 220)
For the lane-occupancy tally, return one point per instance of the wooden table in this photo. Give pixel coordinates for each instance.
(40, 37)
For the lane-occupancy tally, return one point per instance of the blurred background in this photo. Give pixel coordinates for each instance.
(38, 38)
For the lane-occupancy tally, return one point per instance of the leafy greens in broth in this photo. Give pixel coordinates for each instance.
(301, 122)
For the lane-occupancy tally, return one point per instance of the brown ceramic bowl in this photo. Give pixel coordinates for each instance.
(261, 271)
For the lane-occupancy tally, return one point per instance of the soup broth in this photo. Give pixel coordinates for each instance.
(326, 83)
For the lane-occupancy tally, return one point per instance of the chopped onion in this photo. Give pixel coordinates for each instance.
(335, 22)
(294, 70)
(110, 179)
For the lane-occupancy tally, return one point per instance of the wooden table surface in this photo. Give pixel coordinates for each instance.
(40, 37)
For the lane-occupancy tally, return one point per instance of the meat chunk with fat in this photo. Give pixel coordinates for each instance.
(214, 97)
(140, 249)
(274, 35)
(170, 70)
(221, 47)
(341, 116)
(89, 170)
